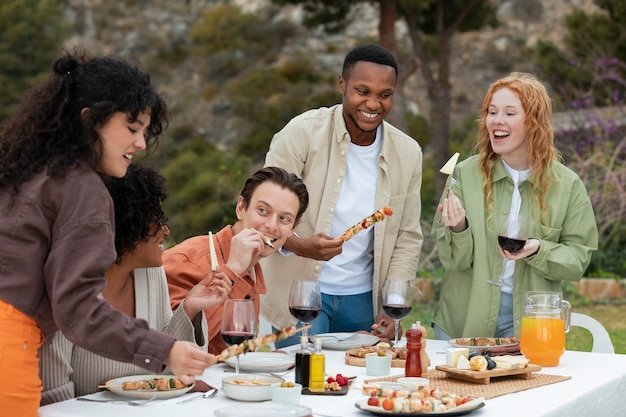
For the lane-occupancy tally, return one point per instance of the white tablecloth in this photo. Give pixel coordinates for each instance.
(596, 389)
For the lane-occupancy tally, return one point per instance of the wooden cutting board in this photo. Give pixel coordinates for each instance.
(355, 361)
(484, 377)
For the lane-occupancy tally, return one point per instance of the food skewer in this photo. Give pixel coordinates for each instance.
(250, 345)
(377, 216)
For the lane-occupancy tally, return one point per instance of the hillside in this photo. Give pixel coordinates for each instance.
(149, 34)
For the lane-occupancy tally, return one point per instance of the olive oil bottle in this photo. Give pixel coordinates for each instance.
(316, 368)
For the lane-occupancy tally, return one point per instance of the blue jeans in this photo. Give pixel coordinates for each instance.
(340, 313)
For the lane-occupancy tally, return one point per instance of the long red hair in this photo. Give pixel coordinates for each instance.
(542, 151)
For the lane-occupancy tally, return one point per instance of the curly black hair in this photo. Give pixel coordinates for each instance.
(137, 199)
(49, 131)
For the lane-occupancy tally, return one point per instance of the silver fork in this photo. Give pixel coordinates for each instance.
(129, 402)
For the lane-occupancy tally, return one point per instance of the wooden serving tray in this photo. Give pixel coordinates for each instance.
(484, 377)
(355, 361)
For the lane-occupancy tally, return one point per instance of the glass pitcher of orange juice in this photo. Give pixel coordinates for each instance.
(544, 324)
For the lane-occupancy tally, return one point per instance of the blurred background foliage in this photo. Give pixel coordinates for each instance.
(251, 80)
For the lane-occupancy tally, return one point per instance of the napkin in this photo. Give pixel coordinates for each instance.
(201, 386)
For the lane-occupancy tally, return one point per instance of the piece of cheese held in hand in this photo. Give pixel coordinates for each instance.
(377, 216)
(448, 168)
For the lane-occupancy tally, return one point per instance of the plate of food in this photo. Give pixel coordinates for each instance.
(147, 386)
(262, 361)
(460, 410)
(345, 341)
(509, 344)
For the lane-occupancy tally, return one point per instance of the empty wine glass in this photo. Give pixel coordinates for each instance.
(397, 299)
(512, 236)
(305, 301)
(238, 323)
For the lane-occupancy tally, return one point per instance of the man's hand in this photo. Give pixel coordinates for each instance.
(187, 361)
(384, 327)
(320, 247)
(246, 248)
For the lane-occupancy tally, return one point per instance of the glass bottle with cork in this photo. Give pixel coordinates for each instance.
(303, 362)
(316, 367)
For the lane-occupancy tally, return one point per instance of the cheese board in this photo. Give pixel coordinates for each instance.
(484, 377)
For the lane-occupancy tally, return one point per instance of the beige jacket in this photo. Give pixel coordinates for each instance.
(314, 145)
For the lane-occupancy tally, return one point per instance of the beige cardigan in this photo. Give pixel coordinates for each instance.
(68, 371)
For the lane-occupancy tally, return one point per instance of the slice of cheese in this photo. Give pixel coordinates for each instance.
(453, 355)
(510, 362)
(448, 168)
(462, 363)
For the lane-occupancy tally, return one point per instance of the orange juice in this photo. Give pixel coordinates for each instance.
(542, 339)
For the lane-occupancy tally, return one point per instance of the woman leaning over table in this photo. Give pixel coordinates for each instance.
(135, 285)
(517, 168)
(89, 118)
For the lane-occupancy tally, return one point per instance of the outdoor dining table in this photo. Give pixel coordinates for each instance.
(597, 388)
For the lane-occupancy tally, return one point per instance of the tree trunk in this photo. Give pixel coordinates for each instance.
(387, 36)
(440, 111)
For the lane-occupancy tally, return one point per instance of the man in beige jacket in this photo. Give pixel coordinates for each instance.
(352, 163)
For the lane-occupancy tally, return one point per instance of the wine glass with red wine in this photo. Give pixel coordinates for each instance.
(512, 236)
(398, 296)
(305, 301)
(238, 323)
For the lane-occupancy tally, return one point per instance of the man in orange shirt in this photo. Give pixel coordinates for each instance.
(268, 209)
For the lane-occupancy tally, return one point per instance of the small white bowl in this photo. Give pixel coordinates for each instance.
(376, 365)
(249, 387)
(288, 395)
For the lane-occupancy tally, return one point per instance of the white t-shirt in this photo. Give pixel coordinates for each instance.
(516, 201)
(351, 271)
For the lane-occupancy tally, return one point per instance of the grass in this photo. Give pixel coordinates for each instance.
(611, 315)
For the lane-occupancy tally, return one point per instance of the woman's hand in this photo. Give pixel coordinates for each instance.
(187, 361)
(453, 213)
(530, 248)
(208, 293)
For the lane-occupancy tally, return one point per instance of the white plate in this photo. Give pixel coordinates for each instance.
(115, 386)
(262, 361)
(461, 410)
(356, 340)
(269, 408)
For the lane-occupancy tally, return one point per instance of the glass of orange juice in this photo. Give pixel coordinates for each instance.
(544, 324)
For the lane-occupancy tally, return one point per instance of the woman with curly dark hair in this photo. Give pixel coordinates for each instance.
(91, 117)
(136, 285)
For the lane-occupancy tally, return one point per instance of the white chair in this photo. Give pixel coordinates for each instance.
(601, 339)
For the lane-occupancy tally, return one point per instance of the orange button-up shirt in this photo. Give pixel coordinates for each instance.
(189, 262)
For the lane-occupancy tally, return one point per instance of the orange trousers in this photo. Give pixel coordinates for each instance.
(20, 339)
